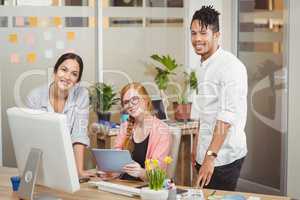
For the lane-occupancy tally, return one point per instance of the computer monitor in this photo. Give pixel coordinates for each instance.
(38, 131)
(158, 107)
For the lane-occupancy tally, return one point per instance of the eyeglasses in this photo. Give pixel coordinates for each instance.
(133, 101)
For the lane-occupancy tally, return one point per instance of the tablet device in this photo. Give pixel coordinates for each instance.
(111, 160)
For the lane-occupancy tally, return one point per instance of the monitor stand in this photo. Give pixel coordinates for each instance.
(29, 176)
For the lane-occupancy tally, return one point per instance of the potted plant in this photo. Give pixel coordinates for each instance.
(156, 178)
(183, 107)
(166, 67)
(102, 98)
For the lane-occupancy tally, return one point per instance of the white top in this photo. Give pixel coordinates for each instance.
(222, 95)
(76, 109)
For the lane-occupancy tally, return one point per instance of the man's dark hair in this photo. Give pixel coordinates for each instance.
(207, 16)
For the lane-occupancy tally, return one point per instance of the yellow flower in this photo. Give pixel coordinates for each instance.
(155, 162)
(148, 165)
(168, 160)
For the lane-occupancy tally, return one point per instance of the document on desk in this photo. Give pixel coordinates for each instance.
(192, 194)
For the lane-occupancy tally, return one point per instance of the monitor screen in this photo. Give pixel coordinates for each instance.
(48, 132)
(159, 108)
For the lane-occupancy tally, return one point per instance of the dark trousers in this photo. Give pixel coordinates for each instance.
(225, 177)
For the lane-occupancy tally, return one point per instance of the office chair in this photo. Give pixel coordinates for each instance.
(176, 138)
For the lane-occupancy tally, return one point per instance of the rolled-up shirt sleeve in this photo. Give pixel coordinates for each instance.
(79, 131)
(233, 92)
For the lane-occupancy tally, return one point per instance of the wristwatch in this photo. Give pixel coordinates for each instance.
(211, 153)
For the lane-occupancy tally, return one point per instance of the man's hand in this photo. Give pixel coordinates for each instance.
(206, 171)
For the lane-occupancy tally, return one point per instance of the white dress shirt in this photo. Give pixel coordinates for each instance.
(222, 95)
(76, 110)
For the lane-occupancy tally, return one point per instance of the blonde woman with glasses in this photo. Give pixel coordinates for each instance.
(144, 135)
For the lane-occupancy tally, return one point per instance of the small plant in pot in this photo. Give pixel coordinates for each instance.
(156, 177)
(102, 98)
(183, 107)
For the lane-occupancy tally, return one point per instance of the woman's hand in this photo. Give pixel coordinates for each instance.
(106, 176)
(84, 173)
(134, 169)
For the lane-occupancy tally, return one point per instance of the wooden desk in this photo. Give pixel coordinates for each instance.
(105, 138)
(89, 193)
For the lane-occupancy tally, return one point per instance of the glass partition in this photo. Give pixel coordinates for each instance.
(260, 47)
(131, 34)
(31, 42)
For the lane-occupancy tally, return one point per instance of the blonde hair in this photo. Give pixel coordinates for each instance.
(141, 90)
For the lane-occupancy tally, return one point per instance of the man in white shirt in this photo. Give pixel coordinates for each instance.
(221, 106)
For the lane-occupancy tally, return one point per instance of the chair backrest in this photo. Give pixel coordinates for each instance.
(176, 138)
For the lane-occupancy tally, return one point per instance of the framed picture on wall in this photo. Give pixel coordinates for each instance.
(269, 4)
(165, 3)
(127, 3)
(76, 3)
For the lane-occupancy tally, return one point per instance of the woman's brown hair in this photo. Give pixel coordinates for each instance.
(141, 90)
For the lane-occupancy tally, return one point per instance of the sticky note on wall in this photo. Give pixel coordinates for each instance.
(92, 22)
(55, 3)
(29, 38)
(14, 58)
(19, 21)
(70, 36)
(57, 21)
(92, 3)
(33, 21)
(31, 57)
(43, 22)
(13, 38)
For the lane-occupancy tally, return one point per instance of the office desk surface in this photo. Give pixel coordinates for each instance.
(89, 193)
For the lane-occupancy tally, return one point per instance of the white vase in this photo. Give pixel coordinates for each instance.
(148, 194)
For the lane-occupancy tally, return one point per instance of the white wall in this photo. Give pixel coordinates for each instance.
(293, 175)
(127, 49)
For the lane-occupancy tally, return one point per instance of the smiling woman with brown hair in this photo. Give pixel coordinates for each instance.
(65, 95)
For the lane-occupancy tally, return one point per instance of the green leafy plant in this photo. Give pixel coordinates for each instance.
(166, 68)
(190, 83)
(165, 71)
(193, 81)
(102, 97)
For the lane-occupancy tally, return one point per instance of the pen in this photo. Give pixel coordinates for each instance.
(213, 193)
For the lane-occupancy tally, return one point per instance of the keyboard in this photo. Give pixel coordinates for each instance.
(116, 188)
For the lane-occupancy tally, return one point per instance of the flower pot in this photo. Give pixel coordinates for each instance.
(182, 111)
(104, 116)
(149, 194)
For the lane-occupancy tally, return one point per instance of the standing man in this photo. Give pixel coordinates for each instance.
(220, 146)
